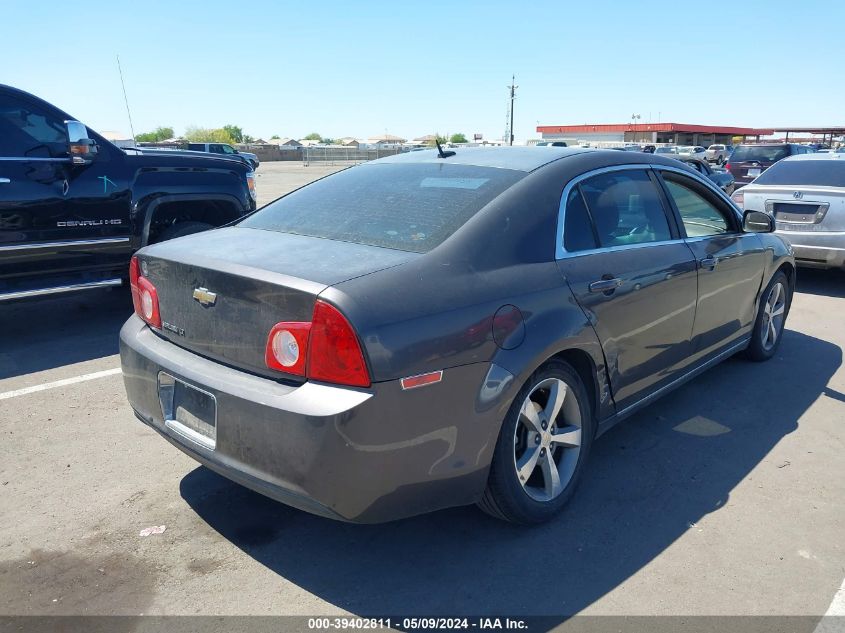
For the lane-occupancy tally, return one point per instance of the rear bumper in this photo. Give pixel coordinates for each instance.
(363, 455)
(817, 249)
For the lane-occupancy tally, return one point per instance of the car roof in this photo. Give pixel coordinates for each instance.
(817, 156)
(517, 158)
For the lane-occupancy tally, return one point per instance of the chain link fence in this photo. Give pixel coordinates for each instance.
(345, 155)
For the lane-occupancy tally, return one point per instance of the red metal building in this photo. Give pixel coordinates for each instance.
(675, 133)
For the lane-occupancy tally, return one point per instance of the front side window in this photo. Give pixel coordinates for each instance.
(227, 149)
(26, 131)
(626, 208)
(700, 217)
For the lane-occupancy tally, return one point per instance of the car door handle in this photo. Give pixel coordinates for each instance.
(4, 181)
(605, 285)
(709, 262)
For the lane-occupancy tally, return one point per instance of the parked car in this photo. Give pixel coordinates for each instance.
(365, 360)
(667, 150)
(648, 149)
(749, 161)
(692, 151)
(720, 177)
(806, 196)
(74, 207)
(717, 153)
(551, 144)
(226, 149)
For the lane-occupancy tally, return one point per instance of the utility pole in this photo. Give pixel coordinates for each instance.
(512, 88)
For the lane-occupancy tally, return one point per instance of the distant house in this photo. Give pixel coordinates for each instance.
(428, 139)
(287, 142)
(348, 141)
(386, 139)
(306, 142)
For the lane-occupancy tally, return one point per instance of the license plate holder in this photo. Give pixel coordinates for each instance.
(188, 411)
(753, 173)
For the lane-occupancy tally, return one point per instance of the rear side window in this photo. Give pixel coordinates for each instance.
(410, 207)
(768, 153)
(820, 173)
(577, 227)
(626, 208)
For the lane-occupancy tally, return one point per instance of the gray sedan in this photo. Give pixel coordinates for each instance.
(442, 328)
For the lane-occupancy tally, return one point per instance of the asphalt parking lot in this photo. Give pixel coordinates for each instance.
(724, 498)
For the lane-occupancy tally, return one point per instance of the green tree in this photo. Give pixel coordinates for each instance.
(313, 137)
(205, 135)
(235, 132)
(458, 138)
(274, 137)
(439, 138)
(329, 141)
(247, 139)
(159, 134)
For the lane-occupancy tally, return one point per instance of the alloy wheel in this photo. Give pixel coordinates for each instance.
(547, 439)
(773, 315)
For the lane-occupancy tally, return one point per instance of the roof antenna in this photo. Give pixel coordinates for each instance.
(126, 100)
(440, 151)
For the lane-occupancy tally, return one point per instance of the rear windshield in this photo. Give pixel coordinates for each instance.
(760, 153)
(820, 173)
(409, 207)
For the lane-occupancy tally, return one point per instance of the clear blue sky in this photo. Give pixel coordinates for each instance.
(412, 68)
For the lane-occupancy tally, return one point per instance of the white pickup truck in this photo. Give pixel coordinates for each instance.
(717, 154)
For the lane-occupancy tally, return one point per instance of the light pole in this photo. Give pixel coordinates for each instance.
(513, 91)
(634, 119)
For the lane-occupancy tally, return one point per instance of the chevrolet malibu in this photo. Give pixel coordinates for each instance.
(439, 328)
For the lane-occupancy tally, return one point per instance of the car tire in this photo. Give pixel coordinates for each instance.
(771, 319)
(182, 229)
(536, 493)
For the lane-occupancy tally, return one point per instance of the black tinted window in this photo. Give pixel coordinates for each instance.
(27, 131)
(822, 173)
(577, 226)
(760, 152)
(626, 208)
(701, 216)
(411, 207)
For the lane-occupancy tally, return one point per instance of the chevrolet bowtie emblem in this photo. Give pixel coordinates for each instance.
(205, 297)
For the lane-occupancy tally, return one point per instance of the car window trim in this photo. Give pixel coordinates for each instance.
(736, 229)
(560, 250)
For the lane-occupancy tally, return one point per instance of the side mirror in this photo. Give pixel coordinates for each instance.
(757, 222)
(82, 149)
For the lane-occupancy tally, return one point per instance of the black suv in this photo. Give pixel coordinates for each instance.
(74, 207)
(749, 161)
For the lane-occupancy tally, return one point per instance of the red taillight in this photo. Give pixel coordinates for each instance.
(326, 349)
(334, 354)
(728, 166)
(144, 295)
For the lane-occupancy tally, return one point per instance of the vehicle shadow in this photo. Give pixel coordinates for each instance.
(649, 480)
(828, 283)
(40, 334)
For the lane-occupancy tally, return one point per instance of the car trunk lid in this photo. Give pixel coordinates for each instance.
(221, 292)
(799, 208)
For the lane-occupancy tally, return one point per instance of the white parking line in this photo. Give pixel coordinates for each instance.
(834, 619)
(59, 383)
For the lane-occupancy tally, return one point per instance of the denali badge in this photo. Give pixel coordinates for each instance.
(205, 297)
